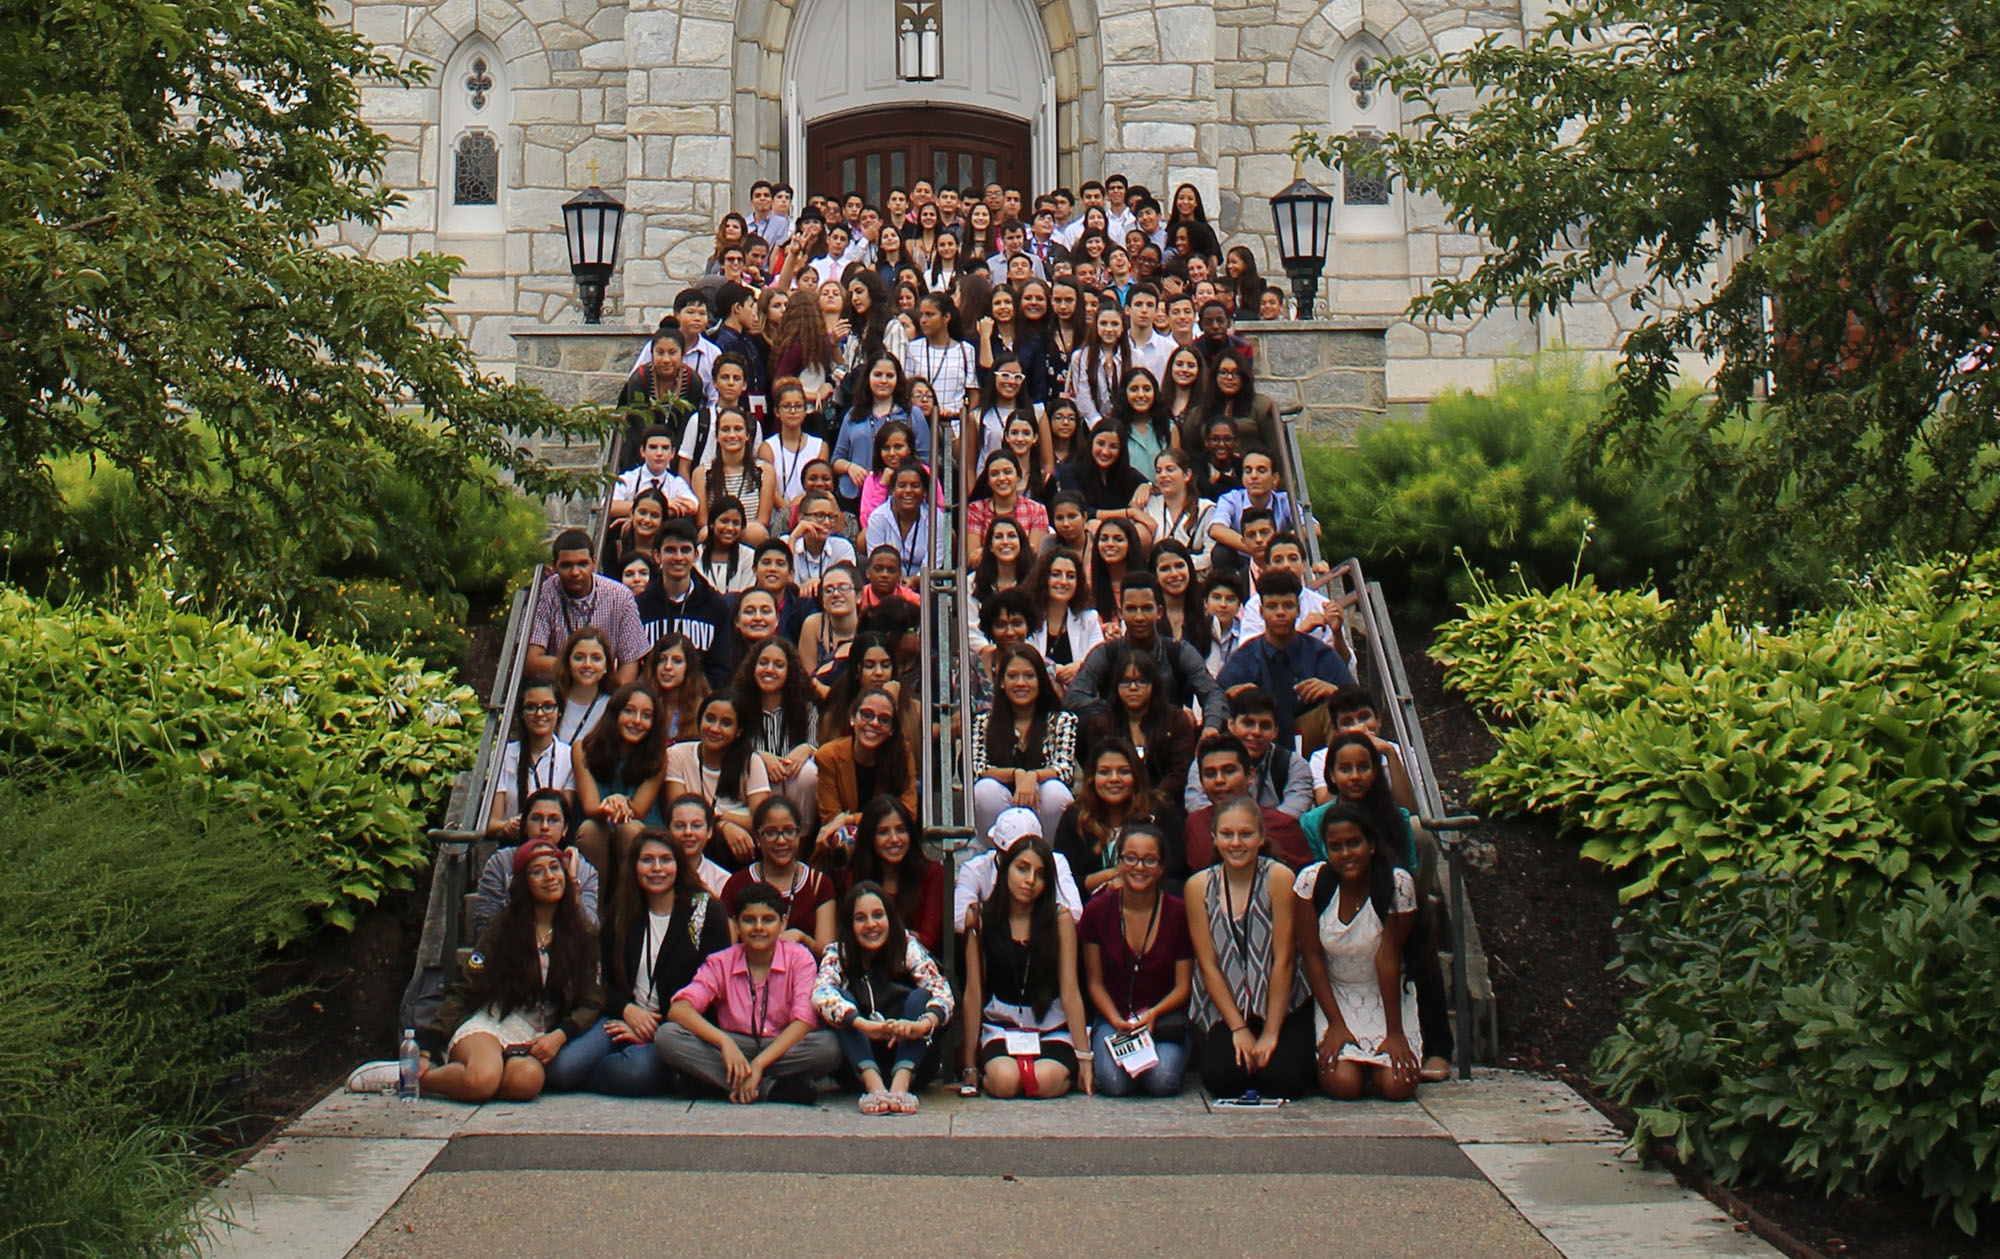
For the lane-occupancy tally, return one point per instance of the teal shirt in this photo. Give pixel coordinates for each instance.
(1404, 841)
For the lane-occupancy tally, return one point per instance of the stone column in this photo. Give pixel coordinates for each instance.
(679, 116)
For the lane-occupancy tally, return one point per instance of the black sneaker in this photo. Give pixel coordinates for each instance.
(794, 1092)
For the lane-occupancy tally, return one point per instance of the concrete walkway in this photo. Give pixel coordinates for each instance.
(1506, 1166)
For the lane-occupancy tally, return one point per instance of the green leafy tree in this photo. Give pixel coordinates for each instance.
(1832, 162)
(168, 177)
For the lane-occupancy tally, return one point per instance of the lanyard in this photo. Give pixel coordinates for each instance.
(907, 546)
(535, 779)
(763, 1016)
(786, 470)
(1240, 930)
(583, 726)
(1138, 956)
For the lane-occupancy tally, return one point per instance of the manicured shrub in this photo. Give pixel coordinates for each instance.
(133, 929)
(1847, 1043)
(1861, 745)
(338, 756)
(1486, 480)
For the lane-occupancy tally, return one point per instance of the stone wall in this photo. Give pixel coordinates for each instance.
(573, 365)
(564, 67)
(680, 103)
(1334, 368)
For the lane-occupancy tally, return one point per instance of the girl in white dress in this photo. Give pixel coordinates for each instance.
(1356, 912)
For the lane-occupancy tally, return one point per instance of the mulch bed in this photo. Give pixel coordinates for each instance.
(1546, 920)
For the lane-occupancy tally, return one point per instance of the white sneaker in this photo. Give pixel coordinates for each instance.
(375, 1077)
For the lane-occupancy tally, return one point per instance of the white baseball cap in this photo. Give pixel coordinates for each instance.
(1013, 825)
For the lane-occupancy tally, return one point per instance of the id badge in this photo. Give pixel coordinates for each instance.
(1133, 1051)
(1024, 1044)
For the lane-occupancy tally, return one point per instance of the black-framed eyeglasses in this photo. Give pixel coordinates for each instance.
(776, 833)
(537, 710)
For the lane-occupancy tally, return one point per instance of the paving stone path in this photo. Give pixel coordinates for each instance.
(1507, 1165)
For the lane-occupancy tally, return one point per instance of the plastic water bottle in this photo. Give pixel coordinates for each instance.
(406, 1067)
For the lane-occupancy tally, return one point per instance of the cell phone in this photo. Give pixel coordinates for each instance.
(517, 1051)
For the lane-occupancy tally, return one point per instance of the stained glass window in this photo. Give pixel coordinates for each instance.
(476, 172)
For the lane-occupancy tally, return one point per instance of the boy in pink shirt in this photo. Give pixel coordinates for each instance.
(745, 1023)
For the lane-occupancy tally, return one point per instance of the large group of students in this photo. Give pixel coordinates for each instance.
(1193, 846)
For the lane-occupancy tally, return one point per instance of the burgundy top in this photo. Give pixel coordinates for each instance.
(1104, 926)
(814, 890)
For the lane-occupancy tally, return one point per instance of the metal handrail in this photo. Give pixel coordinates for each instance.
(947, 804)
(1350, 587)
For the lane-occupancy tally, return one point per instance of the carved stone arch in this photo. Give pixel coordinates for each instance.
(761, 117)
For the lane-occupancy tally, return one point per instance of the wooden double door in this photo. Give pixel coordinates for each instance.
(871, 151)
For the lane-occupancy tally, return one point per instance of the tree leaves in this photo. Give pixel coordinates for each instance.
(169, 175)
(1801, 192)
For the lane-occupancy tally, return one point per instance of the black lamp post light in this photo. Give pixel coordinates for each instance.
(1303, 216)
(591, 220)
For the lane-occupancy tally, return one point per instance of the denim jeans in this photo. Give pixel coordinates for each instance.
(595, 1062)
(1163, 1080)
(920, 1057)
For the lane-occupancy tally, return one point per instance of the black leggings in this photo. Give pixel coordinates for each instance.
(1420, 961)
(1290, 1073)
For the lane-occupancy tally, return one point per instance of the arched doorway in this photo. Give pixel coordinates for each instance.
(994, 102)
(871, 151)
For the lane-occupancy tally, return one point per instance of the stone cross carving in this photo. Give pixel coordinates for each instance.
(479, 83)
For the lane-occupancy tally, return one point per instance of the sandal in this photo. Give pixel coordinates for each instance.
(878, 1102)
(968, 1082)
(902, 1103)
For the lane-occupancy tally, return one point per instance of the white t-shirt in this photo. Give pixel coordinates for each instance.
(1153, 353)
(791, 467)
(553, 768)
(643, 995)
(809, 567)
(579, 715)
(1310, 601)
(637, 481)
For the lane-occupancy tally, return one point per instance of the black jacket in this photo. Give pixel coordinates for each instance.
(680, 955)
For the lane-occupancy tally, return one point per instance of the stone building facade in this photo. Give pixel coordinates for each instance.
(675, 106)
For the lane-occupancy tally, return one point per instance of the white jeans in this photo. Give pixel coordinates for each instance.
(990, 798)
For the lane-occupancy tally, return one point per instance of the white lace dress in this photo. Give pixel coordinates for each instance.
(1349, 948)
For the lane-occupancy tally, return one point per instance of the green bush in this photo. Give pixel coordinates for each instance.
(1860, 745)
(1847, 1043)
(134, 931)
(378, 615)
(362, 576)
(338, 755)
(1488, 475)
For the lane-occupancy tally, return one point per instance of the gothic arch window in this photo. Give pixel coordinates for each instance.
(1365, 110)
(473, 168)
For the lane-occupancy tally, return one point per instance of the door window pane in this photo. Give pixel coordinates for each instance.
(990, 176)
(874, 194)
(846, 179)
(896, 170)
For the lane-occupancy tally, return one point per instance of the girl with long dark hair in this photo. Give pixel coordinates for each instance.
(534, 758)
(1003, 560)
(873, 760)
(1141, 414)
(673, 671)
(885, 998)
(1115, 551)
(737, 476)
(617, 769)
(1162, 733)
(1183, 596)
(1354, 914)
(530, 985)
(1020, 974)
(1024, 747)
(1096, 369)
(1103, 477)
(720, 765)
(1112, 793)
(775, 694)
(1070, 626)
(887, 854)
(662, 924)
